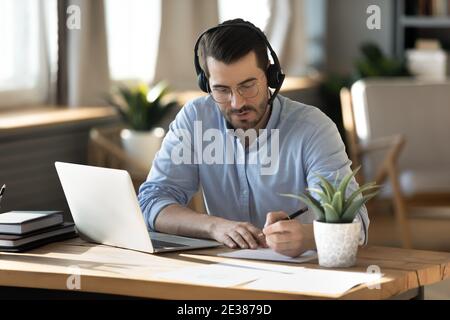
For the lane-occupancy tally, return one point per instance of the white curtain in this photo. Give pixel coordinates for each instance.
(296, 32)
(295, 29)
(27, 51)
(83, 73)
(133, 29)
(181, 24)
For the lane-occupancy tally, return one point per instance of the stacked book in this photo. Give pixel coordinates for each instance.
(432, 8)
(24, 230)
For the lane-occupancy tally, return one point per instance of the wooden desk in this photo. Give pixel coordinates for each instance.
(117, 271)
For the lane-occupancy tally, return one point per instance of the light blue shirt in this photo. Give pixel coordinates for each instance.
(309, 143)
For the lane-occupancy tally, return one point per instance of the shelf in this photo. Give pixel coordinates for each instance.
(425, 22)
(409, 27)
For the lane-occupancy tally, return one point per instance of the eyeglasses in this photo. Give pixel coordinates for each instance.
(247, 90)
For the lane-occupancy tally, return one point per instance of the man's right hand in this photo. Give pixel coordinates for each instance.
(236, 234)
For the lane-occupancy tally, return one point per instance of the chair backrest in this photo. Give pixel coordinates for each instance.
(378, 169)
(418, 110)
(351, 136)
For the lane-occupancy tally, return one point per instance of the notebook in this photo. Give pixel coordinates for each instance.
(17, 240)
(41, 242)
(20, 222)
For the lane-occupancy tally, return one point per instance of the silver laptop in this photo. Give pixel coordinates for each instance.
(105, 210)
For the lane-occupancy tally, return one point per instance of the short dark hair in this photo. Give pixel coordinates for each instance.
(229, 44)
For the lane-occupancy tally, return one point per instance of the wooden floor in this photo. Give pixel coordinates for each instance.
(430, 229)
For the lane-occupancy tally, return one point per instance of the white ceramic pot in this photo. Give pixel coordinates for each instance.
(142, 145)
(337, 243)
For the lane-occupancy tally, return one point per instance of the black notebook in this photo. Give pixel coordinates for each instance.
(41, 242)
(7, 241)
(20, 222)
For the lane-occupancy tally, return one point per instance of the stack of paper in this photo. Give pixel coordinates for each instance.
(315, 281)
(269, 277)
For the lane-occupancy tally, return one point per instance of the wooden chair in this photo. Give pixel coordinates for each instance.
(418, 110)
(105, 150)
(386, 171)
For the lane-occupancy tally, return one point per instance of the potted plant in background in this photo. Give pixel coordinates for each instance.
(142, 109)
(335, 230)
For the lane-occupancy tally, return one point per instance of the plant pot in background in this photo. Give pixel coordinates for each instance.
(143, 109)
(337, 243)
(142, 145)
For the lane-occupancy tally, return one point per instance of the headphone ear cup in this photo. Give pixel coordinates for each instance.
(272, 76)
(203, 82)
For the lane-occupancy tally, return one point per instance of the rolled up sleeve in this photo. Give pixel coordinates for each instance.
(324, 154)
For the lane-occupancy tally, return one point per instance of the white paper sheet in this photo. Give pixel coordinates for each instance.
(314, 281)
(269, 255)
(318, 282)
(216, 274)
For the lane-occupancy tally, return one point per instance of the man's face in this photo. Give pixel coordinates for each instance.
(243, 113)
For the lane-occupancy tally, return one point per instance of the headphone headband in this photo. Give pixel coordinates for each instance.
(274, 73)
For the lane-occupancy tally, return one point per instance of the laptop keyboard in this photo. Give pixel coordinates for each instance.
(164, 244)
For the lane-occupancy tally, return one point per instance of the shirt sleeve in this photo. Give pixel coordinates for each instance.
(324, 154)
(173, 178)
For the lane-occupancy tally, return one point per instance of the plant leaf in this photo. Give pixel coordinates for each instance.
(331, 215)
(289, 195)
(327, 185)
(325, 191)
(155, 93)
(344, 183)
(350, 213)
(323, 197)
(337, 203)
(312, 203)
(316, 207)
(364, 188)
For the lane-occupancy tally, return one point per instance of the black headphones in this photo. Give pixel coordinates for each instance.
(274, 74)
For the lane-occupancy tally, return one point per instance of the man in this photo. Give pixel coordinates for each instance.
(244, 207)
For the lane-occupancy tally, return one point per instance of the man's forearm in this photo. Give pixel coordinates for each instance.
(179, 220)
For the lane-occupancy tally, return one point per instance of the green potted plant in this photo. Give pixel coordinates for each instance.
(336, 231)
(142, 108)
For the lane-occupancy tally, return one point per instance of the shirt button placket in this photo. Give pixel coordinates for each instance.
(243, 203)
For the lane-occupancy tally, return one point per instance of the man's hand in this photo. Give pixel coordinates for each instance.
(288, 237)
(236, 234)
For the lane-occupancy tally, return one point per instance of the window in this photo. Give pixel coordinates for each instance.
(133, 35)
(255, 11)
(27, 50)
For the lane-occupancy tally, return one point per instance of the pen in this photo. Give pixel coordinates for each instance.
(2, 191)
(296, 213)
(291, 216)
